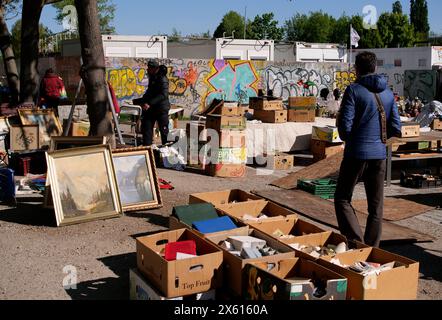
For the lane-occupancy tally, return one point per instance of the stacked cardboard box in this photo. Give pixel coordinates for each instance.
(268, 109)
(231, 157)
(302, 109)
(196, 135)
(325, 142)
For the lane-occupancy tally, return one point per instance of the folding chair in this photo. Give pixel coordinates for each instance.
(129, 116)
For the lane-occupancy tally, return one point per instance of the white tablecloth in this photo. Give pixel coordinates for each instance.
(266, 138)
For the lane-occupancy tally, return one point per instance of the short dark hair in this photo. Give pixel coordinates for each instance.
(366, 63)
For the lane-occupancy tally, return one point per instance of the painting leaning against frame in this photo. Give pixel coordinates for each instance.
(137, 179)
(83, 185)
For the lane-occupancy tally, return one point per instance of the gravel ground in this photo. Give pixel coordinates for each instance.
(36, 258)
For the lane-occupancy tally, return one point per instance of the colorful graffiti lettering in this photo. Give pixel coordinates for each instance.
(128, 83)
(343, 79)
(232, 81)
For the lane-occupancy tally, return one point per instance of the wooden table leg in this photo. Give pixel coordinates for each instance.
(389, 163)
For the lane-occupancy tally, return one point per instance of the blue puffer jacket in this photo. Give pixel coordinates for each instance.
(359, 121)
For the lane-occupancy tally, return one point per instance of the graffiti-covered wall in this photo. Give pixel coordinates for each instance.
(420, 83)
(195, 83)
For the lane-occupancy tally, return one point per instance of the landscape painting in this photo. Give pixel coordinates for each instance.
(82, 191)
(136, 179)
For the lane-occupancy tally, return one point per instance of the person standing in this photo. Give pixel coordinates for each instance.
(367, 118)
(51, 90)
(155, 104)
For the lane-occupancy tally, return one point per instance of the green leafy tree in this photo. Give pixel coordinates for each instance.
(231, 23)
(317, 27)
(265, 27)
(396, 30)
(341, 31)
(397, 7)
(419, 19)
(370, 38)
(16, 35)
(106, 9)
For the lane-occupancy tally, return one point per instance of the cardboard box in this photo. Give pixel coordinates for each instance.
(24, 138)
(228, 199)
(266, 103)
(399, 283)
(291, 279)
(322, 239)
(302, 102)
(301, 115)
(232, 155)
(437, 124)
(222, 170)
(226, 109)
(327, 134)
(322, 150)
(255, 209)
(234, 265)
(232, 139)
(196, 131)
(218, 123)
(279, 161)
(245, 110)
(288, 225)
(410, 129)
(197, 154)
(180, 277)
(279, 116)
(142, 290)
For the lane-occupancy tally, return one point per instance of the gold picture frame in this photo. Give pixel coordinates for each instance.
(82, 192)
(137, 179)
(48, 123)
(63, 143)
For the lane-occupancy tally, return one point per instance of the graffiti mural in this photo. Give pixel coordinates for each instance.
(232, 81)
(193, 84)
(343, 79)
(420, 83)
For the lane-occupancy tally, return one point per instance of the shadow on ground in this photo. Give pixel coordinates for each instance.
(108, 288)
(432, 200)
(29, 214)
(428, 262)
(155, 219)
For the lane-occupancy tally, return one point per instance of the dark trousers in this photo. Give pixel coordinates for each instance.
(148, 124)
(372, 172)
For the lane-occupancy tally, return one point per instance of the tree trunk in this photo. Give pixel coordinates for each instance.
(9, 58)
(93, 71)
(30, 36)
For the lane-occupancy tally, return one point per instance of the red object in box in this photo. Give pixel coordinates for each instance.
(187, 247)
(25, 165)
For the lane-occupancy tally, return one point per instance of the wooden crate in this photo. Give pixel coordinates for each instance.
(322, 150)
(219, 123)
(301, 115)
(279, 116)
(266, 103)
(437, 124)
(283, 161)
(410, 129)
(302, 102)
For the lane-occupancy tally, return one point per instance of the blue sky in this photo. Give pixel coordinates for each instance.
(146, 17)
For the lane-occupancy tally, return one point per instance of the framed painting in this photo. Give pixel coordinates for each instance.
(46, 120)
(63, 143)
(83, 185)
(137, 179)
(23, 138)
(4, 125)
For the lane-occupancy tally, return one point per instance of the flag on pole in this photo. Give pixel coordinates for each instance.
(354, 37)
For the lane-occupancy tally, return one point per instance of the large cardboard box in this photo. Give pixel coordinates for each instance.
(196, 131)
(322, 239)
(255, 209)
(301, 115)
(180, 277)
(292, 279)
(323, 150)
(226, 108)
(278, 161)
(234, 265)
(279, 116)
(327, 134)
(266, 103)
(302, 102)
(218, 123)
(290, 225)
(232, 139)
(226, 170)
(142, 290)
(399, 283)
(232, 155)
(226, 199)
(410, 130)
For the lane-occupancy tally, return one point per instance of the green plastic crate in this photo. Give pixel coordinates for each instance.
(324, 188)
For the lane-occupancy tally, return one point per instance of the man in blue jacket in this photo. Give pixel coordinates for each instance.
(367, 118)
